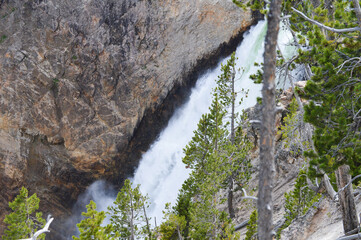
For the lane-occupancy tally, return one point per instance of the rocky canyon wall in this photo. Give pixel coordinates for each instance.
(77, 79)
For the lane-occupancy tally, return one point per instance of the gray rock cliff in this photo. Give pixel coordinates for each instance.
(79, 78)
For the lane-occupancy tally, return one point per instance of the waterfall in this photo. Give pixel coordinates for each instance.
(161, 172)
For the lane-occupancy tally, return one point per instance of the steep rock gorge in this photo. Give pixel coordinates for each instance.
(81, 81)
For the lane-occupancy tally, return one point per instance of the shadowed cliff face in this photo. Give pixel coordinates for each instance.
(78, 77)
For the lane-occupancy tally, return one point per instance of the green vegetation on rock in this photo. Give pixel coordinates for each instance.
(91, 227)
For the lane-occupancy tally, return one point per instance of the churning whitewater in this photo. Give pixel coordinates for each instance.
(161, 172)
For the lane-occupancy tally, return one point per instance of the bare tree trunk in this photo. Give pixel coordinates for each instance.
(147, 222)
(179, 233)
(230, 186)
(329, 189)
(230, 198)
(265, 226)
(214, 225)
(216, 141)
(233, 115)
(347, 202)
(131, 218)
(357, 9)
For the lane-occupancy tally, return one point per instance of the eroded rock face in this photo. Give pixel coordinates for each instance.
(78, 77)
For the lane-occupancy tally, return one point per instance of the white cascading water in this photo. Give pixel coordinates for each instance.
(161, 172)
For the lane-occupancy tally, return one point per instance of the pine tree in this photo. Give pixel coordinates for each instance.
(206, 218)
(217, 156)
(208, 173)
(173, 226)
(24, 220)
(91, 227)
(128, 213)
(207, 138)
(330, 36)
(235, 148)
(298, 201)
(251, 233)
(334, 90)
(184, 203)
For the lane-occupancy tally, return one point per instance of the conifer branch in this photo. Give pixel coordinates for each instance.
(347, 61)
(343, 30)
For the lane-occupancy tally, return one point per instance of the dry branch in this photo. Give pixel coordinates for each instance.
(41, 231)
(343, 30)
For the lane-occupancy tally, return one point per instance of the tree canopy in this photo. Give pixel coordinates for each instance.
(24, 220)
